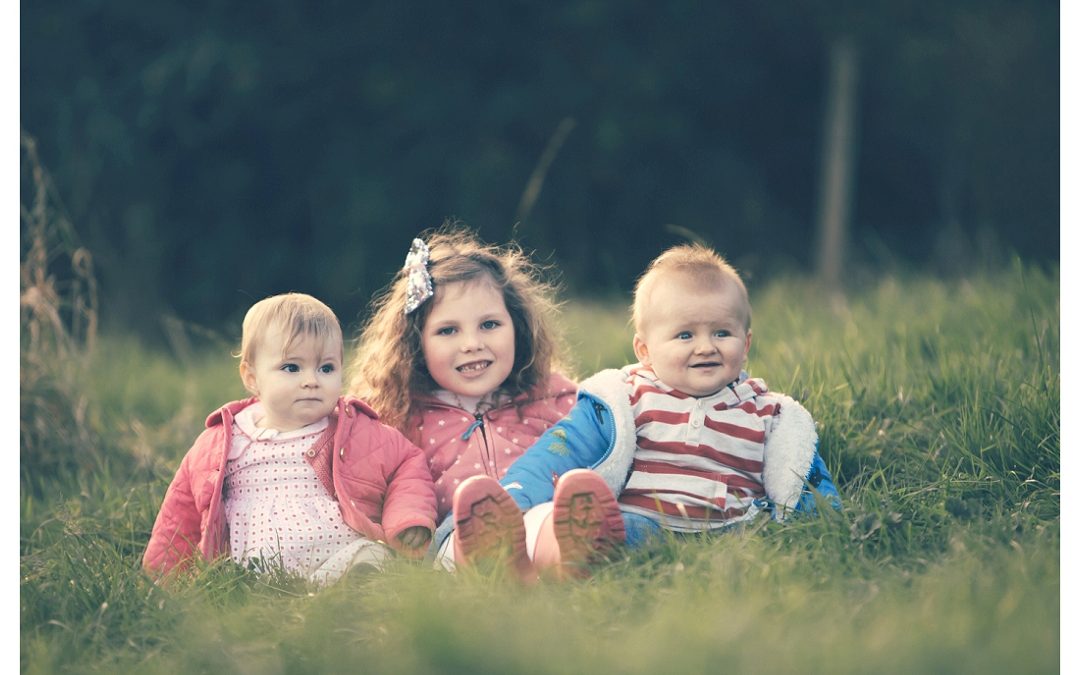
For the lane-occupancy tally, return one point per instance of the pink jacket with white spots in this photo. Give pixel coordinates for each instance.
(459, 445)
(379, 479)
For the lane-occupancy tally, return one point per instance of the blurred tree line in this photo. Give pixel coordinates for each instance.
(210, 153)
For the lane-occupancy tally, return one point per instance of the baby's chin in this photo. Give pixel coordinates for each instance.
(707, 391)
(705, 394)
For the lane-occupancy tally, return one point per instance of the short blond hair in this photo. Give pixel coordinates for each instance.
(699, 263)
(296, 314)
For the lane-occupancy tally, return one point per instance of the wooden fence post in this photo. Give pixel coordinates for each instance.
(837, 162)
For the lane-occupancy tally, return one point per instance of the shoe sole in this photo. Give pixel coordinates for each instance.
(489, 527)
(586, 520)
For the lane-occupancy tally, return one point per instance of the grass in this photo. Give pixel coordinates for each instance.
(938, 406)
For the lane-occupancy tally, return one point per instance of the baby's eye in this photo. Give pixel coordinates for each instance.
(290, 368)
(684, 335)
(446, 330)
(722, 333)
(490, 324)
(326, 368)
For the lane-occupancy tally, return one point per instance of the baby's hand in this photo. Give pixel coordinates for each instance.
(415, 537)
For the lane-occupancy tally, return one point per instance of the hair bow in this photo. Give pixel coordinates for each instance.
(418, 283)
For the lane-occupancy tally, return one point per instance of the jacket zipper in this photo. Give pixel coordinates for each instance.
(486, 453)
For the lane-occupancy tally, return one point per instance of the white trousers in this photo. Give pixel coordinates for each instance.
(533, 519)
(363, 551)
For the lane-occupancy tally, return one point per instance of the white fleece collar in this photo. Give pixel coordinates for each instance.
(789, 453)
(610, 386)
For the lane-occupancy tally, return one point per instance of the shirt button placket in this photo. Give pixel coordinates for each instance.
(697, 416)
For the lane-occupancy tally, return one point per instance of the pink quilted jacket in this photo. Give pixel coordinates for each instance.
(459, 445)
(380, 480)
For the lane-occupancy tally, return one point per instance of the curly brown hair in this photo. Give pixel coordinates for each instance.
(388, 369)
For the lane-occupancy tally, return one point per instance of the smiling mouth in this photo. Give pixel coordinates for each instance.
(707, 364)
(473, 367)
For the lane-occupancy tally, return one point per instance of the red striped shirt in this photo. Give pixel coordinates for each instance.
(698, 461)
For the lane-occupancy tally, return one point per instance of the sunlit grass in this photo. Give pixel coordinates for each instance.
(938, 410)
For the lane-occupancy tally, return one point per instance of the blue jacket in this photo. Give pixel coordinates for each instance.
(599, 433)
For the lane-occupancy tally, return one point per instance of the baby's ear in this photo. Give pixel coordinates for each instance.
(641, 350)
(247, 376)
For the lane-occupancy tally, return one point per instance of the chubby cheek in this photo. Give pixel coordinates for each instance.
(428, 352)
(436, 362)
(334, 385)
(744, 352)
(510, 347)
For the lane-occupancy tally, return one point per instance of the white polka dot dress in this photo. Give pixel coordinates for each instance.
(279, 513)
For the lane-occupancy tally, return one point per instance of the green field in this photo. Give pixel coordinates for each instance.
(938, 404)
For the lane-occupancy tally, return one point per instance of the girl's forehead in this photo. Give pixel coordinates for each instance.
(466, 301)
(481, 287)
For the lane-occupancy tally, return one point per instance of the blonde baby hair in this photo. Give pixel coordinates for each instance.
(296, 314)
(700, 263)
(388, 369)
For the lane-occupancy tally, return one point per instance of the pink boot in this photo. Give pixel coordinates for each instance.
(586, 521)
(488, 526)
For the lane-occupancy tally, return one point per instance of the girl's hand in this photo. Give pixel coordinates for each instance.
(415, 537)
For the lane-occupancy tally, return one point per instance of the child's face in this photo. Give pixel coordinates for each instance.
(298, 387)
(693, 335)
(468, 339)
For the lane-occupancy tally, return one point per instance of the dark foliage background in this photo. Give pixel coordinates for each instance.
(211, 152)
